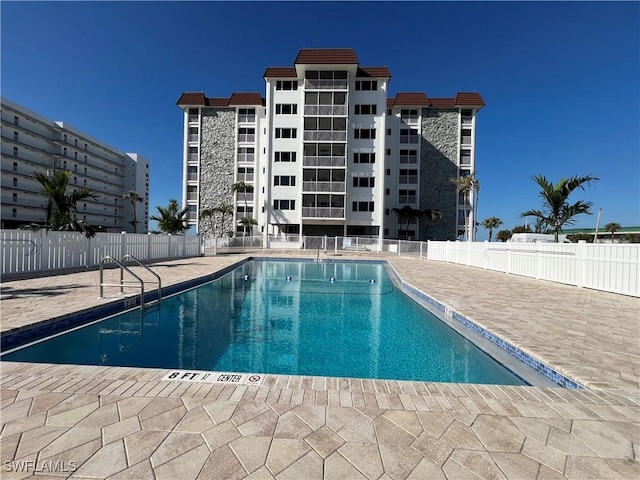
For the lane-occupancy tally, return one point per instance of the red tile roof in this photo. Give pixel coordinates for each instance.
(460, 100)
(378, 72)
(412, 99)
(199, 99)
(280, 72)
(246, 99)
(314, 56)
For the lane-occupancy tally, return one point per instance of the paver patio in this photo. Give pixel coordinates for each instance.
(107, 422)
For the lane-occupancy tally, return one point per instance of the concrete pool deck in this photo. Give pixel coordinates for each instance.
(107, 422)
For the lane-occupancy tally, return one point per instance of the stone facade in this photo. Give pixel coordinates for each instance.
(217, 157)
(438, 163)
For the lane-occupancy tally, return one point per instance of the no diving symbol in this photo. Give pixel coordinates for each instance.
(254, 379)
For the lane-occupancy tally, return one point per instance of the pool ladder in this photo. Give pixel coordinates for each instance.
(139, 284)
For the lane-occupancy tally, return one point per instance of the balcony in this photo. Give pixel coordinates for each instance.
(322, 212)
(323, 187)
(410, 119)
(193, 137)
(466, 140)
(193, 157)
(325, 109)
(246, 157)
(192, 177)
(324, 161)
(467, 120)
(409, 159)
(407, 199)
(246, 138)
(249, 196)
(192, 197)
(408, 179)
(325, 136)
(245, 177)
(24, 202)
(326, 84)
(193, 118)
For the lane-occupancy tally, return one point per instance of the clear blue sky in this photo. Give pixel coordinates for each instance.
(561, 80)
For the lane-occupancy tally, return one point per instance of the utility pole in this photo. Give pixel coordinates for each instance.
(595, 237)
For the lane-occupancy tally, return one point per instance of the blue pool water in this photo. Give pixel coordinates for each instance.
(327, 319)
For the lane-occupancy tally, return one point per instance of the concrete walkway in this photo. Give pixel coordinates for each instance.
(106, 422)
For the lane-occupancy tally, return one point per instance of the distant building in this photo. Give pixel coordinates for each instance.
(32, 143)
(328, 152)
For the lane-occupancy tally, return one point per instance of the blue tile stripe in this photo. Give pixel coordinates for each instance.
(524, 357)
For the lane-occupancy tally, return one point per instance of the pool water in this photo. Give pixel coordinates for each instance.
(302, 318)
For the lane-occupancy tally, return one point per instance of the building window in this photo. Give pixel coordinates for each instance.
(284, 204)
(14, 212)
(407, 196)
(386, 211)
(16, 136)
(366, 109)
(387, 192)
(247, 115)
(16, 121)
(286, 109)
(388, 131)
(466, 136)
(324, 149)
(15, 181)
(408, 156)
(241, 210)
(362, 206)
(409, 115)
(387, 171)
(287, 85)
(389, 112)
(284, 181)
(369, 157)
(388, 151)
(408, 176)
(364, 133)
(364, 182)
(408, 135)
(15, 166)
(85, 146)
(15, 198)
(75, 142)
(325, 124)
(246, 134)
(285, 157)
(366, 85)
(246, 154)
(465, 157)
(15, 151)
(286, 132)
(75, 155)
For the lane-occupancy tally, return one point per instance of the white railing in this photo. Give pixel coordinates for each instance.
(26, 252)
(309, 161)
(608, 267)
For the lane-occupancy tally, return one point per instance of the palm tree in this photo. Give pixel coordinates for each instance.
(224, 209)
(406, 213)
(555, 201)
(470, 185)
(503, 235)
(491, 223)
(133, 197)
(61, 208)
(430, 216)
(242, 187)
(171, 220)
(248, 222)
(613, 228)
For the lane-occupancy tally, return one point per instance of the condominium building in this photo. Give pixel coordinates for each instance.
(327, 151)
(32, 143)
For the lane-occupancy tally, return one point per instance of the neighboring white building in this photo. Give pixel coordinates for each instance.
(328, 152)
(32, 143)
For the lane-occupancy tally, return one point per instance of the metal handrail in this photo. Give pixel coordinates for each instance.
(159, 282)
(122, 283)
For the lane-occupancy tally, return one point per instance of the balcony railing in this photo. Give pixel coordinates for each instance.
(246, 137)
(24, 202)
(413, 159)
(408, 199)
(325, 109)
(325, 136)
(322, 212)
(325, 84)
(193, 137)
(193, 157)
(192, 177)
(409, 138)
(246, 118)
(466, 140)
(323, 186)
(408, 179)
(323, 161)
(410, 119)
(192, 197)
(467, 120)
(242, 196)
(245, 177)
(465, 160)
(246, 157)
(193, 118)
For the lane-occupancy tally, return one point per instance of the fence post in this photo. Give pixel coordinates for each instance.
(325, 244)
(148, 246)
(168, 245)
(42, 249)
(420, 250)
(580, 263)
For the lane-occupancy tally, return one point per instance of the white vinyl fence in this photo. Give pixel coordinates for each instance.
(608, 267)
(25, 251)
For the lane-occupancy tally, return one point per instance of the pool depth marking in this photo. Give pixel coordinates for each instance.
(214, 377)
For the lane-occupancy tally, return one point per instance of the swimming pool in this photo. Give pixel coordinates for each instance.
(328, 319)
